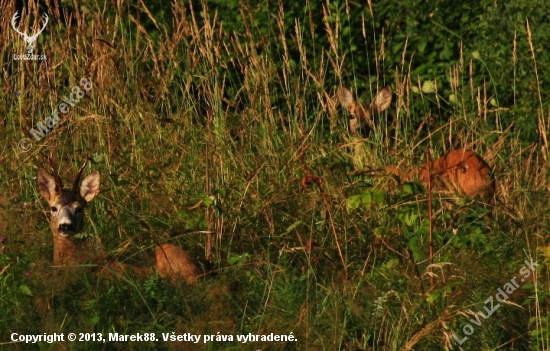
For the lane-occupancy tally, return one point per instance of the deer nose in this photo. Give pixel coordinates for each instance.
(66, 228)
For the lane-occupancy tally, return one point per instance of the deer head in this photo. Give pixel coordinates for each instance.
(361, 118)
(67, 209)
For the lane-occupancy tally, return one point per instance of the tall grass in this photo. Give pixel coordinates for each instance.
(232, 144)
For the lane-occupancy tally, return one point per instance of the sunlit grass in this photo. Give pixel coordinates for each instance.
(234, 145)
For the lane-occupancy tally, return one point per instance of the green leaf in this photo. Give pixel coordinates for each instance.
(207, 201)
(238, 259)
(408, 217)
(94, 320)
(421, 46)
(366, 199)
(293, 226)
(25, 290)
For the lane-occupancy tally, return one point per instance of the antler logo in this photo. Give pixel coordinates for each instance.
(30, 40)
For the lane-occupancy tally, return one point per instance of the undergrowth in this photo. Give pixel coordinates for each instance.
(227, 138)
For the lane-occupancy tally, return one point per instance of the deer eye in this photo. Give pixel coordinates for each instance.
(54, 209)
(352, 116)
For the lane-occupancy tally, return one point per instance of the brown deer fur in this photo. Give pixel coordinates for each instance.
(460, 171)
(176, 264)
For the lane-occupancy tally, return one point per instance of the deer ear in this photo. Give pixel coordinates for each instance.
(346, 98)
(47, 185)
(90, 186)
(382, 100)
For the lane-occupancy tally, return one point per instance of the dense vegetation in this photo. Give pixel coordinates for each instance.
(216, 125)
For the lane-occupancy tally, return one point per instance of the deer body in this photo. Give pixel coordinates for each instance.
(67, 219)
(176, 264)
(460, 171)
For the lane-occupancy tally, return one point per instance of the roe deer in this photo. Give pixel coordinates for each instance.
(67, 219)
(362, 118)
(461, 171)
